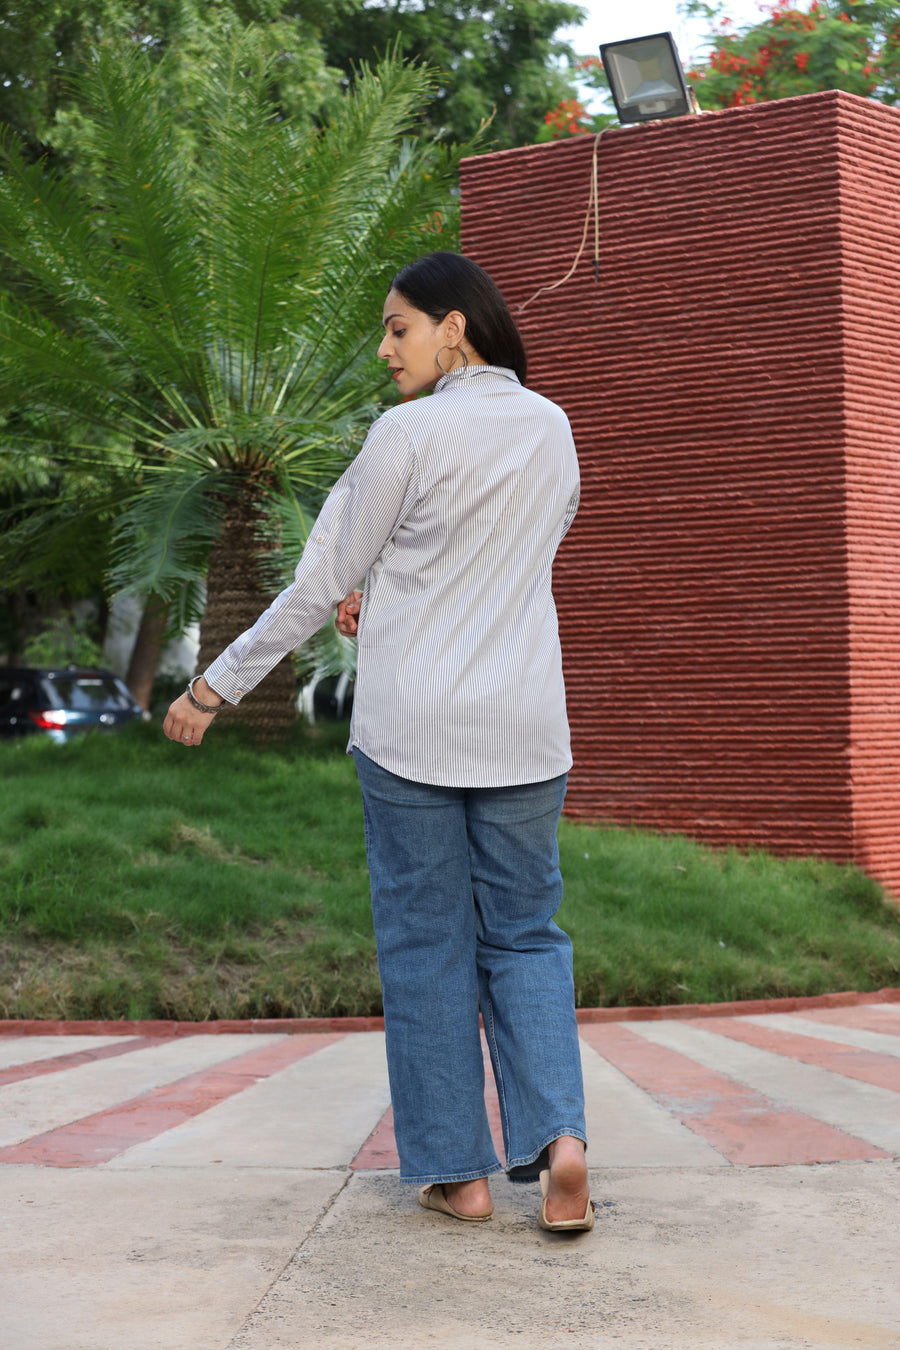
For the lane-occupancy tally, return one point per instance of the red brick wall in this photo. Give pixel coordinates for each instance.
(726, 633)
(870, 236)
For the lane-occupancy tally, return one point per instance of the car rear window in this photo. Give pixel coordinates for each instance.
(88, 693)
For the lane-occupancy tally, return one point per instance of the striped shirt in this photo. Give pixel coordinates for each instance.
(452, 511)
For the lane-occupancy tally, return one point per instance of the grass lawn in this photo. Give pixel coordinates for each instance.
(140, 880)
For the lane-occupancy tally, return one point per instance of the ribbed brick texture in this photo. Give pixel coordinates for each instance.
(869, 146)
(729, 596)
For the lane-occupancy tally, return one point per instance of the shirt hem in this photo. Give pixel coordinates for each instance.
(446, 778)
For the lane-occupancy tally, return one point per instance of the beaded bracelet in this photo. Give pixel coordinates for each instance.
(204, 707)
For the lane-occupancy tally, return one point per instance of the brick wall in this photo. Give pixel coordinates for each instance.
(869, 146)
(729, 596)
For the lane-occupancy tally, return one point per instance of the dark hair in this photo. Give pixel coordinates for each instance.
(443, 281)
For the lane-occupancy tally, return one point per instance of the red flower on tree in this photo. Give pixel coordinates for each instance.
(568, 118)
(794, 49)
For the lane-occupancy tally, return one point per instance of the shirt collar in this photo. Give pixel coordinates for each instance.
(471, 372)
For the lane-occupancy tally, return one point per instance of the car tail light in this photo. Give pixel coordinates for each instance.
(49, 719)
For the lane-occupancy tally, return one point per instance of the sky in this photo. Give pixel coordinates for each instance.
(613, 20)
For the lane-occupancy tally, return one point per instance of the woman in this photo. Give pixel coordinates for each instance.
(453, 511)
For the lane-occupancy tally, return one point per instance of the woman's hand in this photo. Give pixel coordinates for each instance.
(184, 722)
(347, 611)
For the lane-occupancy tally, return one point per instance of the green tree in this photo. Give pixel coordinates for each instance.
(44, 42)
(212, 317)
(41, 45)
(502, 61)
(26, 604)
(49, 569)
(831, 44)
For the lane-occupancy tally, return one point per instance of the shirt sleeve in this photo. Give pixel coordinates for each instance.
(363, 510)
(571, 511)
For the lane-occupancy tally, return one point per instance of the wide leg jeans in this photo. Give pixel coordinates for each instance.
(465, 883)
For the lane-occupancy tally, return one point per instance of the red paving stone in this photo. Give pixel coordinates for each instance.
(258, 1026)
(740, 1008)
(380, 1149)
(17, 1073)
(867, 1066)
(303, 1025)
(97, 1138)
(743, 1125)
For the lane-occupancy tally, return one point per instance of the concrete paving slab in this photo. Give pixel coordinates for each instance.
(712, 1259)
(149, 1260)
(878, 1041)
(314, 1114)
(27, 1049)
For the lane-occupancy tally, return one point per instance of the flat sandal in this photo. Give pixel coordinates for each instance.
(435, 1197)
(562, 1225)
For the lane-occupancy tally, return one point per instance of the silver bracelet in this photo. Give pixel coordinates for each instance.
(204, 707)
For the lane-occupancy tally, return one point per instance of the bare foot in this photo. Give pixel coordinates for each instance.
(569, 1190)
(469, 1197)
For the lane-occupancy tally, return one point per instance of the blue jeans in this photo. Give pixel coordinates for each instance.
(465, 884)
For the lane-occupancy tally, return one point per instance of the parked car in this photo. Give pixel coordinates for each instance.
(61, 702)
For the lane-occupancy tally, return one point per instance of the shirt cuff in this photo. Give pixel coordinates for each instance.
(224, 681)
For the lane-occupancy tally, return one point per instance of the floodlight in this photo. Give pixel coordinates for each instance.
(646, 79)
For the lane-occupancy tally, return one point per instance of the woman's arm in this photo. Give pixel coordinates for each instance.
(362, 512)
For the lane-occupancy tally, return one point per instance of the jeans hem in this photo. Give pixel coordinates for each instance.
(524, 1171)
(451, 1178)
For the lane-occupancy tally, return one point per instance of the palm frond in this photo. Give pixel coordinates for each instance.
(66, 247)
(55, 525)
(147, 208)
(163, 535)
(66, 374)
(186, 606)
(46, 231)
(285, 223)
(250, 223)
(34, 454)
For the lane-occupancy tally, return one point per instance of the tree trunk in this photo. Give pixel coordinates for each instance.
(235, 597)
(147, 649)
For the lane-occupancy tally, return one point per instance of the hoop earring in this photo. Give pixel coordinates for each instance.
(437, 357)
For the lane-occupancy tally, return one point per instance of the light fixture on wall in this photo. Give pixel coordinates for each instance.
(646, 79)
(647, 82)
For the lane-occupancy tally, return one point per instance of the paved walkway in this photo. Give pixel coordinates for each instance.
(239, 1191)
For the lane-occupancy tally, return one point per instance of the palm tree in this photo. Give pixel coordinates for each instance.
(214, 313)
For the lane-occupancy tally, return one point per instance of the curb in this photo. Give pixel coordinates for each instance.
(297, 1026)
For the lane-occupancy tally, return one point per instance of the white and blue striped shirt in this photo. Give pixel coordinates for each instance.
(452, 511)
